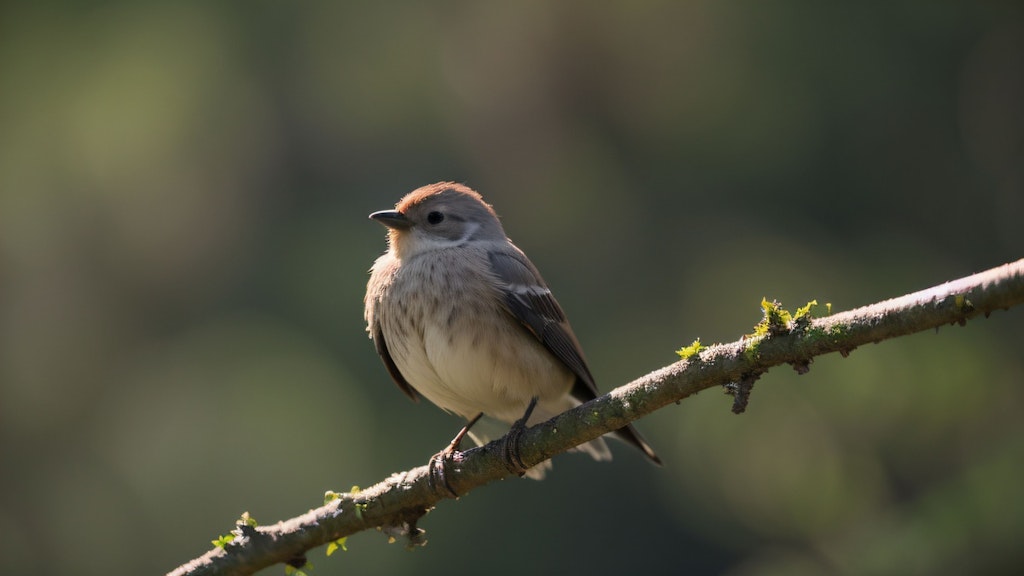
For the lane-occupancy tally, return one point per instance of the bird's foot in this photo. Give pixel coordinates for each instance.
(438, 464)
(513, 459)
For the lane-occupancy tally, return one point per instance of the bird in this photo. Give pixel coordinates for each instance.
(459, 315)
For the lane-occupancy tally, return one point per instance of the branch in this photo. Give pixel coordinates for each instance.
(395, 504)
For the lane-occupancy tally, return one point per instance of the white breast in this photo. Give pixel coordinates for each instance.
(468, 355)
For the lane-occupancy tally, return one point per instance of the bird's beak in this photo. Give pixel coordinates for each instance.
(392, 219)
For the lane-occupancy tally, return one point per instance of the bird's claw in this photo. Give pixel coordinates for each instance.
(438, 469)
(513, 458)
(439, 462)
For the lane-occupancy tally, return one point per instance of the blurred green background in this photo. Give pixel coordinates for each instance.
(184, 248)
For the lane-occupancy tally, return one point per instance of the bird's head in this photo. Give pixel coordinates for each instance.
(436, 217)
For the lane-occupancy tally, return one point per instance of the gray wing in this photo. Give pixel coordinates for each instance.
(532, 304)
(382, 350)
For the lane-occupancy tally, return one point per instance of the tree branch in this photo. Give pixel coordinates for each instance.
(396, 503)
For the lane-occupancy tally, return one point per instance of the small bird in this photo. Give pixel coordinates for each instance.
(460, 315)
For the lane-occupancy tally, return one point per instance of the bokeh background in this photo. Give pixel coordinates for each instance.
(184, 247)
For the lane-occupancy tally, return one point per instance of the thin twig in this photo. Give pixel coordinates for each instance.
(397, 503)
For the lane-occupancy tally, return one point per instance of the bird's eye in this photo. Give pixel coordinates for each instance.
(435, 217)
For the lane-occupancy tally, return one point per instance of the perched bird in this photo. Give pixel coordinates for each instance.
(460, 315)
